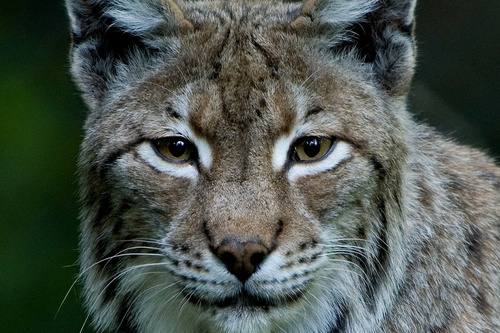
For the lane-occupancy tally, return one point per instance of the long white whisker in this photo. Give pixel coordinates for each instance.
(121, 254)
(162, 286)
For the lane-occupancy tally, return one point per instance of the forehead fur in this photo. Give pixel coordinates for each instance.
(243, 73)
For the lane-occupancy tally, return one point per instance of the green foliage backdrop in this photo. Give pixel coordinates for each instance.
(457, 89)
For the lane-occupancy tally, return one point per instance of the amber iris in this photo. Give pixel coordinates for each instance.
(176, 149)
(311, 148)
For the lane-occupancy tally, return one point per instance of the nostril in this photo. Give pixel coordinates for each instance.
(241, 258)
(228, 258)
(256, 259)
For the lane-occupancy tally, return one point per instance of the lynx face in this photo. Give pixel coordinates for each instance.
(246, 165)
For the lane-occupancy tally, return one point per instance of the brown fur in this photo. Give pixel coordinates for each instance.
(400, 233)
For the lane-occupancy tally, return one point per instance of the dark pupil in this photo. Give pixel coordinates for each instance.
(311, 147)
(177, 148)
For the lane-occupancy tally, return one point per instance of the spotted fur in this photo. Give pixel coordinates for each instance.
(394, 229)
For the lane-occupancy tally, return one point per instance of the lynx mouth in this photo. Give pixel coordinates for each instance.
(244, 300)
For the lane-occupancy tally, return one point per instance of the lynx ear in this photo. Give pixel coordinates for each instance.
(378, 33)
(113, 39)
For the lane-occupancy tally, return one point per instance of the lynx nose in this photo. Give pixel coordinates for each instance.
(242, 258)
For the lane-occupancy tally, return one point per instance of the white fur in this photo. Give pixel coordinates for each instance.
(181, 101)
(343, 12)
(180, 170)
(280, 152)
(340, 151)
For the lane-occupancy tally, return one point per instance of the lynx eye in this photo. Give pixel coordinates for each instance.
(175, 149)
(311, 148)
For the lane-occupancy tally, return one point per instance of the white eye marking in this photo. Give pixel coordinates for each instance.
(340, 151)
(180, 170)
(204, 152)
(282, 146)
(280, 154)
(202, 145)
(181, 101)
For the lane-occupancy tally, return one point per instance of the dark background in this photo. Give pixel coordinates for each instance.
(457, 89)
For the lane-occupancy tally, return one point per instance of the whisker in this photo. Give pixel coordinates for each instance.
(309, 77)
(144, 240)
(186, 300)
(85, 322)
(80, 275)
(162, 285)
(125, 271)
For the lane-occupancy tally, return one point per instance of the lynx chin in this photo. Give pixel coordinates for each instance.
(250, 166)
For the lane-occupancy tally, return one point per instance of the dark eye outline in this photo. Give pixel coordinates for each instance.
(294, 155)
(193, 155)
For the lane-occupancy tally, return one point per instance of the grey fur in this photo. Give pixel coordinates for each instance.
(394, 229)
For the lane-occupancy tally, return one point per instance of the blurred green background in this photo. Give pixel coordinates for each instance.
(457, 89)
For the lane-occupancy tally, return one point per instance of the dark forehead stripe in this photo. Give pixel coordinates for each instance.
(217, 63)
(271, 61)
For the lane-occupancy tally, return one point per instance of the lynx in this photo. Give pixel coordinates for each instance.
(251, 166)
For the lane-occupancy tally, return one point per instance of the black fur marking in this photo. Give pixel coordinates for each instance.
(125, 206)
(340, 323)
(77, 39)
(482, 304)
(375, 270)
(206, 231)
(102, 168)
(378, 167)
(277, 233)
(127, 324)
(438, 329)
(218, 58)
(258, 113)
(109, 265)
(113, 156)
(111, 288)
(174, 114)
(492, 179)
(217, 69)
(361, 40)
(314, 110)
(473, 243)
(120, 44)
(408, 29)
(271, 61)
(114, 41)
(104, 210)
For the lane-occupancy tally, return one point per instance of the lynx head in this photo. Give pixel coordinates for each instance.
(243, 161)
